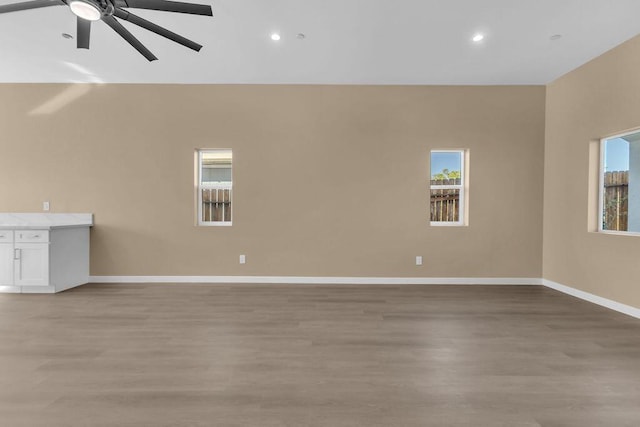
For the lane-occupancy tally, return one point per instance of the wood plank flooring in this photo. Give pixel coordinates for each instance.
(305, 355)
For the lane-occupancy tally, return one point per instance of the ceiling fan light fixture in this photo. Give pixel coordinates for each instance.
(108, 10)
(85, 10)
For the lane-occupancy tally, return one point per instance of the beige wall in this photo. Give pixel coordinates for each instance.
(329, 181)
(597, 100)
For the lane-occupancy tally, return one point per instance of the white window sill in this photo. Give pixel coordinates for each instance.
(446, 224)
(618, 233)
(215, 224)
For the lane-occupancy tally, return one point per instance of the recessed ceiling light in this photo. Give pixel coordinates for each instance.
(67, 36)
(478, 38)
(275, 37)
(555, 37)
(300, 36)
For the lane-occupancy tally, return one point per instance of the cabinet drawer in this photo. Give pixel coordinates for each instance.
(32, 236)
(6, 236)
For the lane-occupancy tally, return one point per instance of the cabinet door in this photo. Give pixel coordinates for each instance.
(6, 264)
(32, 265)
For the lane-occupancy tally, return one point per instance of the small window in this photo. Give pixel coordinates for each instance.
(214, 187)
(620, 183)
(448, 187)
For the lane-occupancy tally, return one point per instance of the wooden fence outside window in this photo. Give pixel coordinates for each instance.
(615, 207)
(445, 203)
(216, 205)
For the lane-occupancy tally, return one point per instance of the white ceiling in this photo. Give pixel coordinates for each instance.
(347, 42)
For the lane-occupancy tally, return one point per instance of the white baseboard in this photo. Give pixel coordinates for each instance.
(322, 280)
(610, 304)
(38, 290)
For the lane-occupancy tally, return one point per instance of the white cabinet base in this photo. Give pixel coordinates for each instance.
(43, 259)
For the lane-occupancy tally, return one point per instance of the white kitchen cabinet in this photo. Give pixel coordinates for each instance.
(24, 258)
(6, 264)
(43, 253)
(31, 265)
(31, 258)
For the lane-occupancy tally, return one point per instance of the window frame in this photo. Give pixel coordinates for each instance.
(200, 186)
(463, 187)
(601, 174)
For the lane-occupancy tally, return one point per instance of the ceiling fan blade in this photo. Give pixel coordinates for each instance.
(118, 28)
(134, 19)
(167, 6)
(16, 7)
(83, 33)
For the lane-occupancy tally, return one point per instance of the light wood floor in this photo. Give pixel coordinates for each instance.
(298, 355)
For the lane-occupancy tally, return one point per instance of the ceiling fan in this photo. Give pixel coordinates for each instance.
(108, 10)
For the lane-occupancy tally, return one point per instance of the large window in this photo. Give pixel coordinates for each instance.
(214, 187)
(448, 187)
(620, 183)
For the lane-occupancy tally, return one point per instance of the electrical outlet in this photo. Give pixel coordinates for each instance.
(45, 206)
(418, 260)
(243, 259)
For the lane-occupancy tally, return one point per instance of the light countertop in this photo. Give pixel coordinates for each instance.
(44, 221)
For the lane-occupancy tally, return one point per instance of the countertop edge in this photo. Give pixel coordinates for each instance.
(42, 227)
